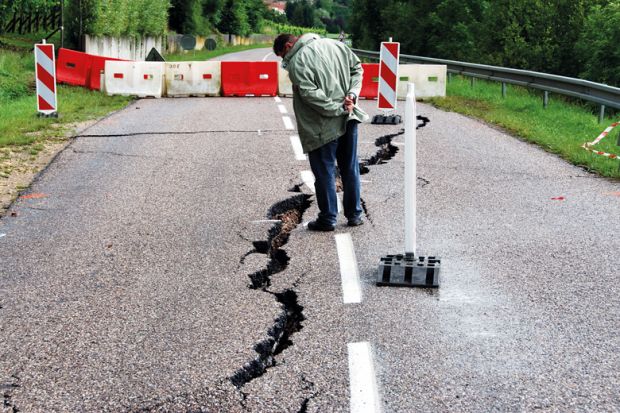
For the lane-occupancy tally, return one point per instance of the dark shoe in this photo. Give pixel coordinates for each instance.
(355, 222)
(320, 226)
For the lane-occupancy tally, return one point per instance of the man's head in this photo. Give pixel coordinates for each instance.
(283, 44)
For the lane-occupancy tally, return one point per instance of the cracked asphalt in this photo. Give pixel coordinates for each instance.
(123, 288)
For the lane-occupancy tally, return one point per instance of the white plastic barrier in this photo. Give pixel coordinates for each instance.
(193, 78)
(285, 87)
(429, 80)
(140, 79)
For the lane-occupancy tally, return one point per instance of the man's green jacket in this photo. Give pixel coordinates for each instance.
(323, 72)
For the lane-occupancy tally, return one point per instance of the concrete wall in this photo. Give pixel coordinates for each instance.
(122, 48)
(173, 44)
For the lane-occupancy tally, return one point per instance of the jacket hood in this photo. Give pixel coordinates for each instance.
(301, 42)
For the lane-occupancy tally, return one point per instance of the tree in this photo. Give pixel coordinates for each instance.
(597, 48)
(367, 23)
(234, 19)
(453, 30)
(256, 11)
(187, 16)
(300, 13)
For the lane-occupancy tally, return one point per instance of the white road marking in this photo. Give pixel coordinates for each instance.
(340, 207)
(288, 123)
(282, 109)
(308, 178)
(269, 221)
(267, 55)
(2, 235)
(362, 381)
(277, 99)
(351, 289)
(297, 148)
(365, 181)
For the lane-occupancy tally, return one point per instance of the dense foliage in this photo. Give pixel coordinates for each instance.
(240, 17)
(276, 28)
(578, 38)
(331, 15)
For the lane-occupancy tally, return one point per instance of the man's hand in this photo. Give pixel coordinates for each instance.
(349, 103)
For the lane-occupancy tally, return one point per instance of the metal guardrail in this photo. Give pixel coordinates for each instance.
(599, 93)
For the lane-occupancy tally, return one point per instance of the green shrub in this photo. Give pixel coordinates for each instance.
(131, 18)
(275, 28)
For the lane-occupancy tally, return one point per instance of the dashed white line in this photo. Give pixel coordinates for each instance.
(308, 178)
(282, 109)
(268, 221)
(277, 99)
(297, 148)
(288, 123)
(349, 274)
(362, 380)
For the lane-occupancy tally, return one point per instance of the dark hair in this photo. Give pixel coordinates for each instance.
(281, 41)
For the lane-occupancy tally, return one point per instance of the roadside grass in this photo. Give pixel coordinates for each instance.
(561, 128)
(19, 124)
(199, 55)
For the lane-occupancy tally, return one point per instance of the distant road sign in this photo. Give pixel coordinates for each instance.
(188, 42)
(210, 44)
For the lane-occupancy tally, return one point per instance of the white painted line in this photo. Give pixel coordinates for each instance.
(282, 109)
(340, 207)
(365, 181)
(297, 148)
(277, 99)
(362, 380)
(267, 55)
(308, 178)
(398, 143)
(288, 123)
(269, 221)
(2, 235)
(351, 289)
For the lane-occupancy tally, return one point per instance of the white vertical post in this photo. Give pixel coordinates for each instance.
(410, 170)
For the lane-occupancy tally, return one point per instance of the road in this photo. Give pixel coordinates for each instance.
(146, 270)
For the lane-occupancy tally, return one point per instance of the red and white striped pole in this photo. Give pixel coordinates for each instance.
(45, 64)
(388, 75)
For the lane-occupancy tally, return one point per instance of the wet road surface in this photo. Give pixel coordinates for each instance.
(163, 266)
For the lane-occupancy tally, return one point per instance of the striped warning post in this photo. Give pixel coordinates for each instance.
(46, 78)
(388, 75)
(588, 146)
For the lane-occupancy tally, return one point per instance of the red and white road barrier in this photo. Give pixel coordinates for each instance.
(46, 78)
(588, 146)
(388, 75)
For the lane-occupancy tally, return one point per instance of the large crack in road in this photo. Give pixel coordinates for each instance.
(288, 214)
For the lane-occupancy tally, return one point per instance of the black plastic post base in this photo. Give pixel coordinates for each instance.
(386, 120)
(47, 115)
(408, 271)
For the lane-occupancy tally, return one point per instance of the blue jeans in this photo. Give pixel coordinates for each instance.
(323, 164)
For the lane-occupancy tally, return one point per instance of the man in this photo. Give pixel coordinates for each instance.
(326, 78)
